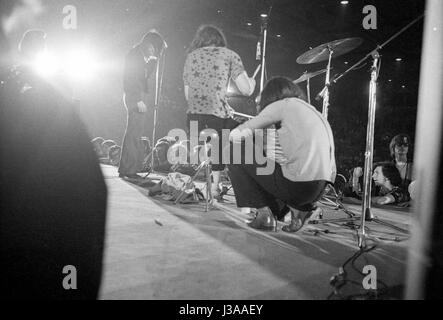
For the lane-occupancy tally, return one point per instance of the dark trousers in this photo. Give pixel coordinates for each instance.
(133, 149)
(206, 121)
(257, 191)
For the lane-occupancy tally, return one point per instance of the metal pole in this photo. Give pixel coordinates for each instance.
(369, 154)
(158, 85)
(308, 89)
(263, 58)
(327, 84)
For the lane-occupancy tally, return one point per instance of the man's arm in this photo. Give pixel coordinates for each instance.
(245, 84)
(387, 199)
(187, 92)
(271, 114)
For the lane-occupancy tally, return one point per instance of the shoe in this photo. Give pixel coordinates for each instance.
(298, 219)
(264, 220)
(280, 216)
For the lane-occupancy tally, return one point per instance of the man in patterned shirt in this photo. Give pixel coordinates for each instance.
(209, 66)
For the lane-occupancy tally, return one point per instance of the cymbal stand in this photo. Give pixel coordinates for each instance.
(308, 91)
(327, 84)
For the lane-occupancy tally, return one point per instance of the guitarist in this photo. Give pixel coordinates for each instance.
(140, 64)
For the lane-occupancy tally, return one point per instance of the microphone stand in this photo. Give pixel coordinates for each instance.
(379, 47)
(264, 32)
(263, 55)
(159, 71)
(366, 205)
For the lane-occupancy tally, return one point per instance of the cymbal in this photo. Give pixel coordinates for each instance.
(305, 76)
(321, 53)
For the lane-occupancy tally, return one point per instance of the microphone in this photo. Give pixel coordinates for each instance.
(264, 19)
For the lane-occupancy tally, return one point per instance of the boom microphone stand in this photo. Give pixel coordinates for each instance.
(366, 205)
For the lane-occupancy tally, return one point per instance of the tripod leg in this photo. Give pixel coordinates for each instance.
(199, 168)
(147, 163)
(386, 224)
(208, 187)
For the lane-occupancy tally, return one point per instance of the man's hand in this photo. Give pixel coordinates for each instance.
(141, 107)
(358, 172)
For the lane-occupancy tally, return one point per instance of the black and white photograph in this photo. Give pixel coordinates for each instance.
(221, 154)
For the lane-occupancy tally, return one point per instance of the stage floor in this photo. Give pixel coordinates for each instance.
(158, 250)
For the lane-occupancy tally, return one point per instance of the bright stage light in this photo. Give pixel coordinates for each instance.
(46, 64)
(80, 64)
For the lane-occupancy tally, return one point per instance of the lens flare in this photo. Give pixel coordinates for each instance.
(46, 64)
(81, 64)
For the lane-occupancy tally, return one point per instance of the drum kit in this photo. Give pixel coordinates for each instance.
(326, 52)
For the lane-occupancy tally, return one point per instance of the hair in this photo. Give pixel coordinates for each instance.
(31, 41)
(399, 138)
(279, 88)
(208, 35)
(391, 172)
(154, 37)
(98, 140)
(108, 143)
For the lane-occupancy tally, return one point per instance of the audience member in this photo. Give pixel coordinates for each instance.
(97, 144)
(114, 155)
(387, 177)
(399, 148)
(106, 145)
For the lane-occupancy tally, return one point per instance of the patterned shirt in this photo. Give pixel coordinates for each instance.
(207, 72)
